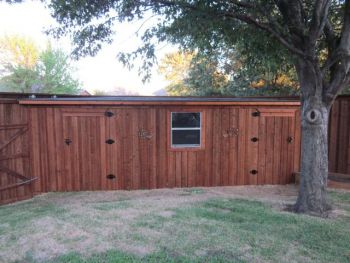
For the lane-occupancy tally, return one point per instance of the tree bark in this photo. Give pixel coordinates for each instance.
(312, 197)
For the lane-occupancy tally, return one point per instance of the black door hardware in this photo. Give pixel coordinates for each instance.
(68, 141)
(110, 141)
(110, 176)
(253, 171)
(289, 139)
(109, 114)
(256, 113)
(254, 139)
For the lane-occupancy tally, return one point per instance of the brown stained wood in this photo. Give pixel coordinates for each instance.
(225, 145)
(184, 169)
(13, 126)
(333, 136)
(136, 154)
(153, 148)
(208, 154)
(344, 130)
(2, 188)
(217, 137)
(109, 128)
(253, 147)
(107, 167)
(293, 131)
(262, 144)
(59, 146)
(192, 168)
(51, 133)
(284, 162)
(127, 149)
(277, 150)
(13, 137)
(178, 169)
(269, 149)
(13, 156)
(13, 173)
(297, 141)
(233, 147)
(242, 169)
(14, 153)
(149, 163)
(161, 145)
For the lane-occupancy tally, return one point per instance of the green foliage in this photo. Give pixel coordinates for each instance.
(213, 74)
(27, 69)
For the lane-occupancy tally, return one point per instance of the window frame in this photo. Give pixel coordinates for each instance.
(201, 128)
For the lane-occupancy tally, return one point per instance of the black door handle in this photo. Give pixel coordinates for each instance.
(68, 141)
(289, 139)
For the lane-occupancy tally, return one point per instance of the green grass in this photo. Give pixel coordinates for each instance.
(216, 230)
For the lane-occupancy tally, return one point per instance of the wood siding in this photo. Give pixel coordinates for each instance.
(14, 152)
(228, 156)
(140, 157)
(339, 136)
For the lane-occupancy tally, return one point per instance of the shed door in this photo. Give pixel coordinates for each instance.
(272, 141)
(87, 146)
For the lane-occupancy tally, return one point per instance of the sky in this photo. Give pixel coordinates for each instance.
(102, 72)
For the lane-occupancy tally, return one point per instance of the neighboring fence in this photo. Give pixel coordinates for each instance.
(15, 172)
(339, 136)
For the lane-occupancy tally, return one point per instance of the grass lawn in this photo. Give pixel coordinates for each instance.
(228, 224)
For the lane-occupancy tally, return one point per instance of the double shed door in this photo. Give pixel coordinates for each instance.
(109, 149)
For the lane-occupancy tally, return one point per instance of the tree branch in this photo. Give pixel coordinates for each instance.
(265, 27)
(319, 19)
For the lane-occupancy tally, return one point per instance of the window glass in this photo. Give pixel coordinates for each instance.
(186, 137)
(186, 119)
(186, 129)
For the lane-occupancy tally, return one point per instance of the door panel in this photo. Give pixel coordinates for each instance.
(85, 150)
(276, 147)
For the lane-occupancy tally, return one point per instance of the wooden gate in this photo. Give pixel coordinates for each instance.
(90, 151)
(15, 179)
(272, 139)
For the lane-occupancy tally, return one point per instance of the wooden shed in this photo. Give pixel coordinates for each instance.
(109, 143)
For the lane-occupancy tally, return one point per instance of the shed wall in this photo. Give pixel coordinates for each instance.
(139, 162)
(143, 162)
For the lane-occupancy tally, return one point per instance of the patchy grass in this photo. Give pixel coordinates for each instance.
(180, 225)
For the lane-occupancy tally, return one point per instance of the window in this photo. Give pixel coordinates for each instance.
(186, 129)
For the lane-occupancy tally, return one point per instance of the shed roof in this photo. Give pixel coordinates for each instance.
(160, 100)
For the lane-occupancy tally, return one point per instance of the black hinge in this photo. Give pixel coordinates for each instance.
(110, 141)
(109, 114)
(289, 139)
(256, 113)
(253, 171)
(110, 176)
(254, 139)
(68, 141)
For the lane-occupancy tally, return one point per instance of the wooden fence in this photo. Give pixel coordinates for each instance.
(339, 136)
(32, 145)
(15, 172)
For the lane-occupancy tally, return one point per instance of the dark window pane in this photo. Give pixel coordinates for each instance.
(183, 137)
(186, 119)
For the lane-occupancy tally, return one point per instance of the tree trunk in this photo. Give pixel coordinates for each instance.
(312, 197)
